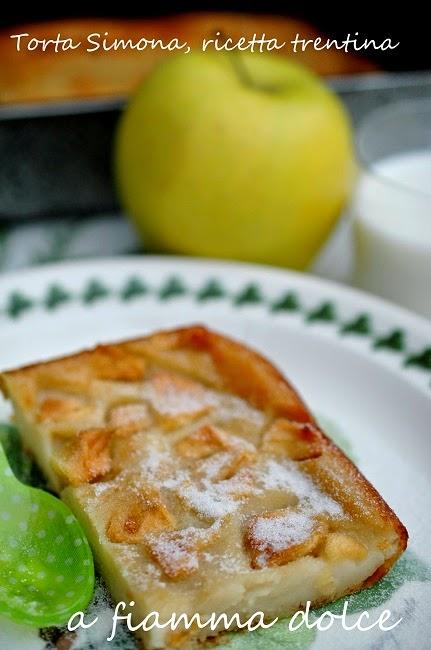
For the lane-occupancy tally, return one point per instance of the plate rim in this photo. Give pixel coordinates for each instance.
(313, 281)
(44, 276)
(401, 324)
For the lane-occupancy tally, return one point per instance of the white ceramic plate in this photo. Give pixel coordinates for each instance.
(363, 366)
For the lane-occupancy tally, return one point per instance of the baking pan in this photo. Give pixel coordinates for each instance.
(56, 158)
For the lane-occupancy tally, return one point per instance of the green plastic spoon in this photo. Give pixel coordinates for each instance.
(46, 564)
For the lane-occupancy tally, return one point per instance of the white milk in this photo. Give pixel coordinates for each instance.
(393, 229)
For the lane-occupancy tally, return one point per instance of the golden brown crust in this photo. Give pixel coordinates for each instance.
(239, 369)
(379, 512)
(295, 440)
(182, 363)
(136, 514)
(38, 76)
(86, 458)
(262, 551)
(371, 505)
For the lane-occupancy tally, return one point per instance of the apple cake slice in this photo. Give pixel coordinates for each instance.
(202, 480)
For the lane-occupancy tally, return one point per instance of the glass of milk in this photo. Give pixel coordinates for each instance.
(392, 204)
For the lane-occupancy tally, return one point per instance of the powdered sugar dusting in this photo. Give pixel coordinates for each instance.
(179, 478)
(178, 549)
(226, 474)
(225, 563)
(235, 447)
(210, 500)
(212, 466)
(285, 476)
(171, 396)
(154, 459)
(278, 533)
(235, 408)
(100, 488)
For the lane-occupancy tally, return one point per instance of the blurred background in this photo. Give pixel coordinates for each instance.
(62, 194)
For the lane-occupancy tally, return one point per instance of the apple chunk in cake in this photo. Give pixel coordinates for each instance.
(202, 480)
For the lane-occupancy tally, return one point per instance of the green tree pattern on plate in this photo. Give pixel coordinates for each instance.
(325, 312)
(250, 295)
(56, 296)
(288, 302)
(395, 340)
(173, 288)
(18, 304)
(422, 360)
(360, 325)
(134, 288)
(212, 290)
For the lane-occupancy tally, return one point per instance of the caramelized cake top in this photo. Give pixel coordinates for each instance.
(194, 448)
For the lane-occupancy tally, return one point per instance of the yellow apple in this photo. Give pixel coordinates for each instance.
(234, 155)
